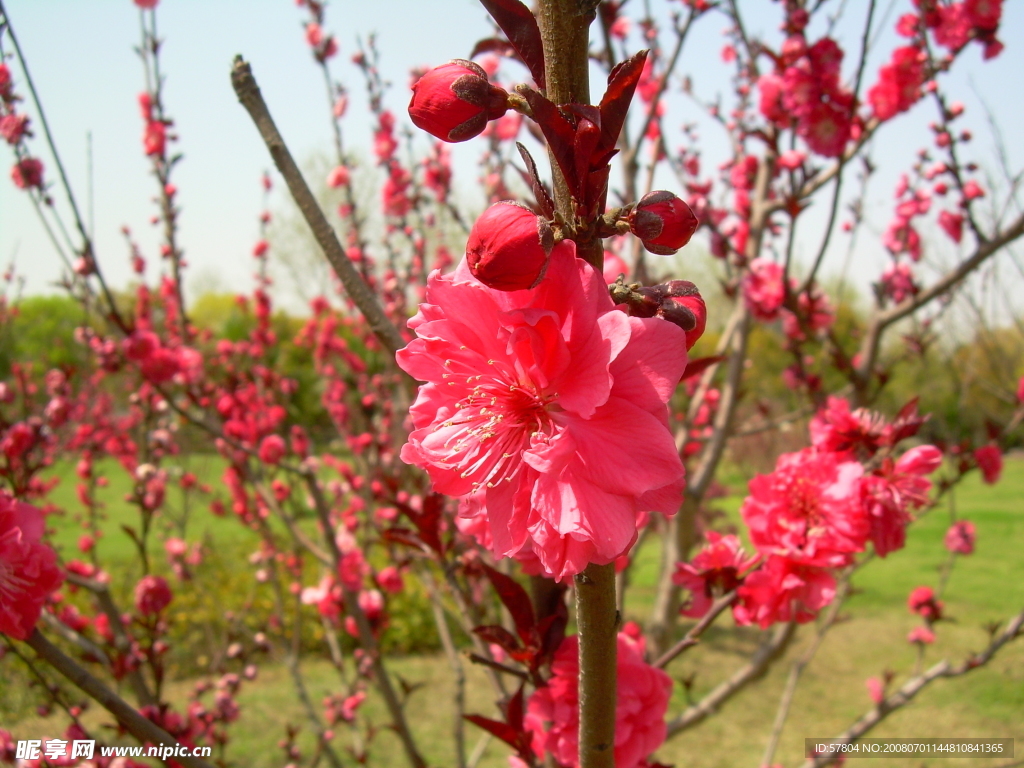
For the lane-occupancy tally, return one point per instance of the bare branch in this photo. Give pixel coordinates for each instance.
(138, 726)
(249, 95)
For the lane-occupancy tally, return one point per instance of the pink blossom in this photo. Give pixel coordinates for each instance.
(13, 127)
(791, 159)
(808, 510)
(152, 595)
(784, 591)
(922, 602)
(526, 390)
(714, 571)
(27, 173)
(894, 491)
(990, 462)
(272, 449)
(952, 224)
(552, 712)
(973, 190)
(763, 290)
(146, 3)
(390, 579)
(898, 281)
(960, 537)
(921, 635)
(28, 567)
(876, 689)
(154, 138)
(899, 83)
(338, 177)
(326, 596)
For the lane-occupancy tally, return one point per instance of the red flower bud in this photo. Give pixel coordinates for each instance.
(682, 296)
(454, 101)
(509, 247)
(663, 222)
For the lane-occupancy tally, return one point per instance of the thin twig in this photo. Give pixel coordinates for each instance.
(690, 639)
(249, 95)
(137, 725)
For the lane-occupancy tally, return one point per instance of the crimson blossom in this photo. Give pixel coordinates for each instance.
(552, 404)
(28, 568)
(553, 712)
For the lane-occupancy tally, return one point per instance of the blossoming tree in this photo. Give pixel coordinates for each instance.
(539, 413)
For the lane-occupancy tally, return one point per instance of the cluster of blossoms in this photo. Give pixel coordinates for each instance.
(812, 515)
(27, 172)
(804, 92)
(552, 713)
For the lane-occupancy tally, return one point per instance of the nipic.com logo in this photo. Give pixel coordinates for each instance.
(85, 749)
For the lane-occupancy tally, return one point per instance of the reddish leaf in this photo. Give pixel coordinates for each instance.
(698, 365)
(513, 597)
(492, 633)
(596, 189)
(558, 132)
(503, 731)
(514, 711)
(520, 27)
(427, 520)
(547, 205)
(494, 45)
(617, 97)
(403, 536)
(588, 133)
(906, 424)
(552, 632)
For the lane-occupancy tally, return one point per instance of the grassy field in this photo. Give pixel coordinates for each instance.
(985, 587)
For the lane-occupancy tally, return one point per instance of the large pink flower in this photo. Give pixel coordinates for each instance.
(553, 404)
(28, 568)
(784, 591)
(553, 712)
(809, 509)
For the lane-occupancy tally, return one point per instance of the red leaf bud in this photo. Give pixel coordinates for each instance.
(663, 222)
(509, 247)
(454, 101)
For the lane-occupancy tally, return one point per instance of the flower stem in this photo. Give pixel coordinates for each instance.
(565, 33)
(597, 622)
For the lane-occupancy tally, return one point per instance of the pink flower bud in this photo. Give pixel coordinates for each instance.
(454, 101)
(509, 247)
(663, 222)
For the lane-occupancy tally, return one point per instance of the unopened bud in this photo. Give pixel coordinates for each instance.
(663, 222)
(454, 101)
(684, 306)
(509, 247)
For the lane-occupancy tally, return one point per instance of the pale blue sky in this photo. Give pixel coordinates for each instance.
(88, 75)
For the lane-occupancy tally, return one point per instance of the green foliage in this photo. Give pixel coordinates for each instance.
(42, 331)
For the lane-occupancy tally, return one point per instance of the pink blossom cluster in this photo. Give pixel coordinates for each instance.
(552, 713)
(812, 515)
(805, 92)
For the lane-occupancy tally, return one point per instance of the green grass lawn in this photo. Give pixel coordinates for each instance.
(987, 586)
